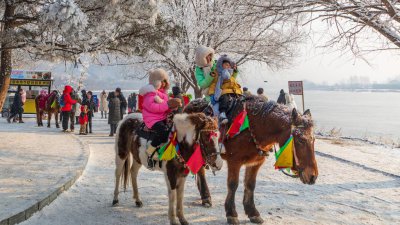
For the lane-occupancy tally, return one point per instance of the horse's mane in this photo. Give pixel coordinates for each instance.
(257, 106)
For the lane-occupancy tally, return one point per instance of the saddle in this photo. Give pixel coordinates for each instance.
(144, 132)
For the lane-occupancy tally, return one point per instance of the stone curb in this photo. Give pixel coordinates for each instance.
(27, 213)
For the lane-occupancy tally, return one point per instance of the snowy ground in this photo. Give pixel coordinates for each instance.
(34, 162)
(346, 192)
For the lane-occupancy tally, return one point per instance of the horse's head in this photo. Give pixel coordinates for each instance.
(198, 128)
(304, 156)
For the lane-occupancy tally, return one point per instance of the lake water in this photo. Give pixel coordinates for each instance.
(358, 114)
(372, 115)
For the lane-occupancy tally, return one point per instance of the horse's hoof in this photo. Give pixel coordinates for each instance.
(183, 221)
(206, 203)
(139, 204)
(256, 219)
(174, 222)
(115, 202)
(232, 220)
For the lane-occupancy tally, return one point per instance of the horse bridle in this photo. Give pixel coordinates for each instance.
(213, 132)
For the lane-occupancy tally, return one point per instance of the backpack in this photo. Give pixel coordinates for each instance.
(62, 102)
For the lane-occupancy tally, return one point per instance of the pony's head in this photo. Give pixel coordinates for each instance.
(198, 128)
(304, 155)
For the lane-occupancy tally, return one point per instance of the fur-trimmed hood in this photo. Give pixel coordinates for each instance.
(221, 60)
(156, 76)
(200, 56)
(147, 89)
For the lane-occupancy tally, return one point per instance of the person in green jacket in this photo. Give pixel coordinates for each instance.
(205, 67)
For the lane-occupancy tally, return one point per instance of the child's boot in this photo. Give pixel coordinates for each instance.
(150, 150)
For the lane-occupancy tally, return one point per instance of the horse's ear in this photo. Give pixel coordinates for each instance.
(307, 113)
(295, 116)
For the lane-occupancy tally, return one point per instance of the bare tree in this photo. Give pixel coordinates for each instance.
(243, 31)
(353, 21)
(64, 29)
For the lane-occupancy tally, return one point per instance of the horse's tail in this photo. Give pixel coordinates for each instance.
(123, 143)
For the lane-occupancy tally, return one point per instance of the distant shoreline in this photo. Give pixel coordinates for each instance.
(355, 90)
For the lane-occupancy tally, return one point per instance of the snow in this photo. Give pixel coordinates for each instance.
(345, 193)
(34, 162)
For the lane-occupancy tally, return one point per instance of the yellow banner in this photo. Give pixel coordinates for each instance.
(30, 82)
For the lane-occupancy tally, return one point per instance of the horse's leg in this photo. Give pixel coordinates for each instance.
(203, 188)
(49, 118)
(172, 199)
(180, 191)
(119, 165)
(248, 198)
(56, 117)
(233, 181)
(134, 172)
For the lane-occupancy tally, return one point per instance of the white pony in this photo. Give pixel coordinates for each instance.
(192, 130)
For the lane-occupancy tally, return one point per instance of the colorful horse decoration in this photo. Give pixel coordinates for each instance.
(47, 103)
(259, 126)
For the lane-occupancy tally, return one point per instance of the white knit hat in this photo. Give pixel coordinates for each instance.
(200, 55)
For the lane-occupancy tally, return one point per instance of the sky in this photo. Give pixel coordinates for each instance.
(322, 65)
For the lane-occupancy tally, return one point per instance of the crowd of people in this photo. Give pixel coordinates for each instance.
(216, 77)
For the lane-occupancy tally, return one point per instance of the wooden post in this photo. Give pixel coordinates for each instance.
(302, 96)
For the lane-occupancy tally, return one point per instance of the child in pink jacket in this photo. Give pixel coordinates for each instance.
(156, 107)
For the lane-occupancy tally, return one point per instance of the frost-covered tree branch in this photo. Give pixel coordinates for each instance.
(353, 21)
(243, 31)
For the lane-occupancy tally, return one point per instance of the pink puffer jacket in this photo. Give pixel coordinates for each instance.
(153, 112)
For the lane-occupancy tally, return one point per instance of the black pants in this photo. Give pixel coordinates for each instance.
(89, 124)
(72, 118)
(113, 128)
(225, 102)
(65, 119)
(162, 132)
(15, 114)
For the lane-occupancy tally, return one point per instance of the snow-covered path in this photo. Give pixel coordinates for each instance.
(344, 193)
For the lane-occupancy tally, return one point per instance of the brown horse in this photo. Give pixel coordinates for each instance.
(191, 130)
(270, 124)
(47, 104)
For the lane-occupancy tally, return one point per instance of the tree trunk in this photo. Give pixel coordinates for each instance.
(6, 55)
(197, 92)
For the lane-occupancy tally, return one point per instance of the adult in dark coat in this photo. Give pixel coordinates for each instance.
(16, 107)
(114, 113)
(122, 99)
(281, 98)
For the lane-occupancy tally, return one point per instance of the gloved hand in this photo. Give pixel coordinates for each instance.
(174, 103)
(212, 99)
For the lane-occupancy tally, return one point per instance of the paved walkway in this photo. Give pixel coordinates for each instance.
(35, 163)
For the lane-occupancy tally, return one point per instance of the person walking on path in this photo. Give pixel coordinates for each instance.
(122, 99)
(281, 98)
(261, 95)
(83, 119)
(114, 112)
(74, 113)
(16, 107)
(103, 104)
(89, 102)
(66, 102)
(132, 101)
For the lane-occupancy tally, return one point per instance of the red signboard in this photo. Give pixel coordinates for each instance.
(296, 87)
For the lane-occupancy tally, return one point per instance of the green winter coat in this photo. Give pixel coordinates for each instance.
(205, 80)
